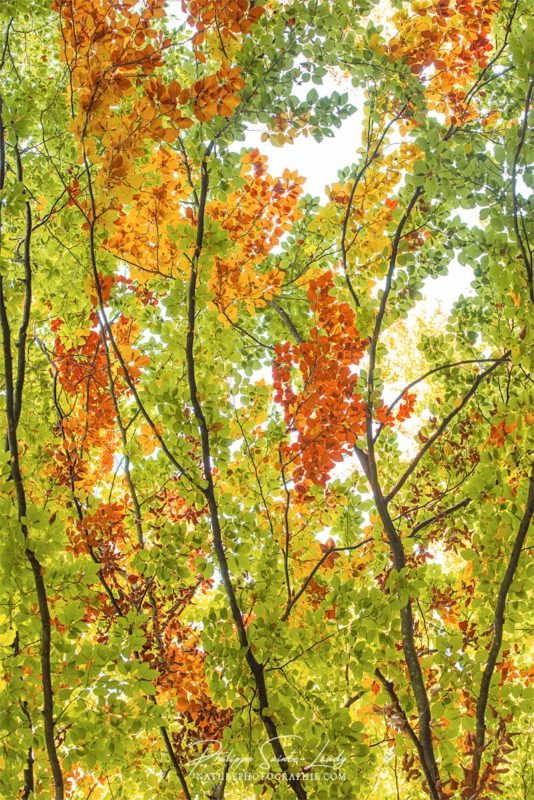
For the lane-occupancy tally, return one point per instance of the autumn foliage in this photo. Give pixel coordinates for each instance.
(266, 491)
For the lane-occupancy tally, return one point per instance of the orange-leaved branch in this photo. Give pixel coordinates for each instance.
(254, 217)
(326, 412)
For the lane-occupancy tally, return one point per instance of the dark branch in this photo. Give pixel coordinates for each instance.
(443, 426)
(498, 628)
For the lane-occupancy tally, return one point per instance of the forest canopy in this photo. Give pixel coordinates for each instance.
(264, 506)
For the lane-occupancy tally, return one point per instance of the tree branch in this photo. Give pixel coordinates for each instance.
(443, 425)
(257, 669)
(498, 629)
